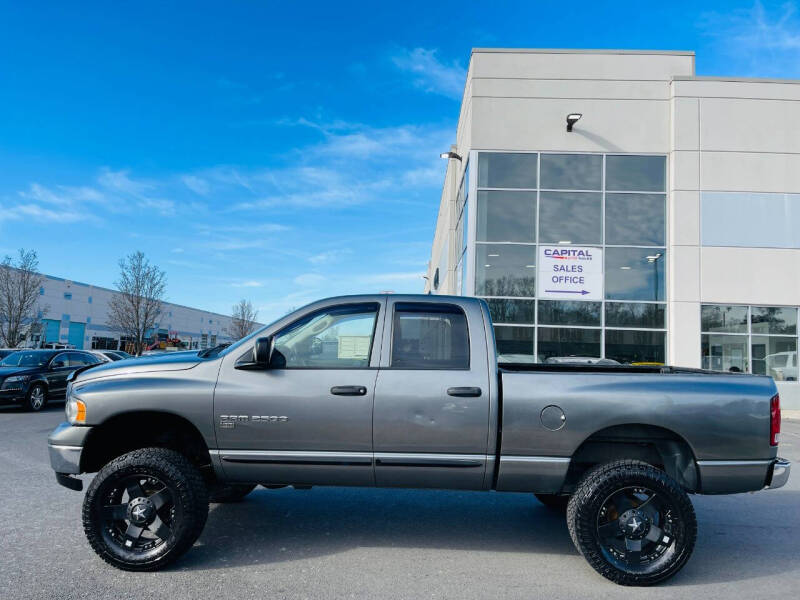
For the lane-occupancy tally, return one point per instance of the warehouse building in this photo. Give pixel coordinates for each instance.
(77, 314)
(613, 204)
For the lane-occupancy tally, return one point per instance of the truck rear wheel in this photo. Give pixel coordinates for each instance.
(144, 509)
(632, 522)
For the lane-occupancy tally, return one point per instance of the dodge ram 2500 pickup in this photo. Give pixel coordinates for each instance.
(406, 391)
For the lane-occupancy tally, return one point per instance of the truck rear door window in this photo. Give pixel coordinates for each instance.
(429, 336)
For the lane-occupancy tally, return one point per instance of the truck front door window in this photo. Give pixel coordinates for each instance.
(334, 338)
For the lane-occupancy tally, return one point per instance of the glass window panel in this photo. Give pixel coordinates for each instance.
(572, 171)
(750, 220)
(506, 216)
(339, 337)
(630, 314)
(628, 346)
(725, 352)
(634, 274)
(774, 319)
(728, 319)
(636, 219)
(555, 312)
(429, 337)
(514, 344)
(775, 356)
(562, 342)
(570, 218)
(511, 311)
(507, 170)
(505, 270)
(636, 173)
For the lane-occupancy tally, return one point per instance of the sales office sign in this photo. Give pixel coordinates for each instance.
(570, 273)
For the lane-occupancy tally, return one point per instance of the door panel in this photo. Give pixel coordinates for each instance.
(308, 419)
(431, 425)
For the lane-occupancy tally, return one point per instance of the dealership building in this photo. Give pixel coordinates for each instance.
(613, 204)
(77, 314)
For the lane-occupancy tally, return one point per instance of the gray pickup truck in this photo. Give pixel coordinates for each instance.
(406, 391)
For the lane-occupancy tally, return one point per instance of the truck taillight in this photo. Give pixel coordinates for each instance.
(774, 420)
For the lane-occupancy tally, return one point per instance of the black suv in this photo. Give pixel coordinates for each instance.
(35, 376)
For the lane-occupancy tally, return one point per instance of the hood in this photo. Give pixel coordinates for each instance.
(145, 364)
(8, 371)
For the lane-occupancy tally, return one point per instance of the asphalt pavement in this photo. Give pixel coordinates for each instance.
(373, 543)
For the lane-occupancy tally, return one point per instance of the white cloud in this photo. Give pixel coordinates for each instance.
(197, 184)
(329, 256)
(378, 278)
(759, 42)
(431, 74)
(248, 284)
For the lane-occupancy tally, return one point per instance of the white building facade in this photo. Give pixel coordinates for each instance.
(77, 314)
(664, 228)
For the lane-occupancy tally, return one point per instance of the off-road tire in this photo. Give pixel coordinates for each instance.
(226, 494)
(554, 502)
(189, 498)
(30, 403)
(594, 490)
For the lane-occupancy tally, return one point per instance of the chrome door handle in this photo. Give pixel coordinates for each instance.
(349, 390)
(464, 392)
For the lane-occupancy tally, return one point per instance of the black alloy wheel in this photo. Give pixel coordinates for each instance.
(144, 509)
(632, 523)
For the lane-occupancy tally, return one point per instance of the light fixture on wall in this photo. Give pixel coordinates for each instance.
(572, 118)
(449, 155)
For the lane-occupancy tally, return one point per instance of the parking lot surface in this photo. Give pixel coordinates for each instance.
(376, 543)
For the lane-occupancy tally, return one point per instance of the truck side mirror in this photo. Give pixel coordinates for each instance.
(259, 357)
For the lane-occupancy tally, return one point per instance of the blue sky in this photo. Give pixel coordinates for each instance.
(282, 151)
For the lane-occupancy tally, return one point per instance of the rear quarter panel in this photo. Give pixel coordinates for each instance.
(721, 417)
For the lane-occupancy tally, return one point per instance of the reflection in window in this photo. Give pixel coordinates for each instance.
(635, 219)
(514, 344)
(750, 220)
(555, 312)
(570, 218)
(507, 170)
(629, 346)
(339, 337)
(774, 320)
(429, 336)
(725, 353)
(728, 319)
(504, 310)
(506, 216)
(632, 314)
(634, 274)
(636, 173)
(563, 342)
(775, 356)
(571, 171)
(505, 270)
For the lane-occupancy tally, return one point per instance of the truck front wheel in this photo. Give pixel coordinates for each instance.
(144, 509)
(632, 522)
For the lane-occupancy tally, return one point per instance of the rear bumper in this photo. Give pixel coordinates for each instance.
(778, 473)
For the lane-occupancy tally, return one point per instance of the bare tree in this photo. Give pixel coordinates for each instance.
(136, 306)
(19, 293)
(244, 319)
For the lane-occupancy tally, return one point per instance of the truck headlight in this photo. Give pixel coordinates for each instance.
(17, 382)
(75, 410)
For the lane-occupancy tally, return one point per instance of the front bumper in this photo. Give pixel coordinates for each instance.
(778, 473)
(65, 445)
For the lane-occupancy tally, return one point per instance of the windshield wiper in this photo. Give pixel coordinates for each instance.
(212, 351)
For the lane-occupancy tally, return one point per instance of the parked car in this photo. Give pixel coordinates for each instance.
(110, 355)
(405, 391)
(782, 366)
(34, 377)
